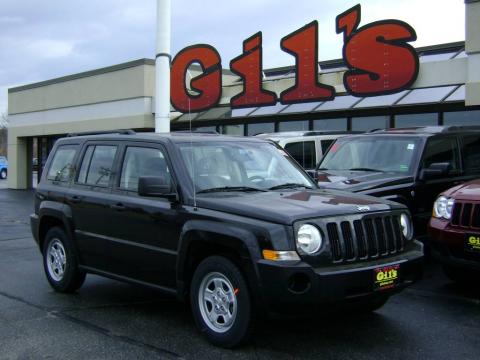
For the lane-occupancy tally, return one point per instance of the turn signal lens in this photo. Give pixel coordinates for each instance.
(280, 255)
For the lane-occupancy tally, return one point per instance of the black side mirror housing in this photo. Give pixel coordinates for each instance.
(435, 170)
(155, 186)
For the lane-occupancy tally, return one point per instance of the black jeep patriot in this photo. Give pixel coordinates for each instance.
(232, 224)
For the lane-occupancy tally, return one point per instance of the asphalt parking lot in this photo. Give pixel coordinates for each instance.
(106, 319)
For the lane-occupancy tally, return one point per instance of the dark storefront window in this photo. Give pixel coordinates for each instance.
(303, 152)
(234, 130)
(369, 123)
(261, 128)
(462, 118)
(206, 129)
(293, 125)
(330, 124)
(410, 120)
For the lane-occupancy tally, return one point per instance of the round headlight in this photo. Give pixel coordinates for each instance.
(309, 239)
(440, 206)
(406, 224)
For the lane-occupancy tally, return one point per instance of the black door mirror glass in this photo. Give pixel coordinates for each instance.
(435, 170)
(154, 186)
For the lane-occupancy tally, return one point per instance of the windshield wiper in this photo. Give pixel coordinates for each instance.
(230, 188)
(289, 186)
(364, 169)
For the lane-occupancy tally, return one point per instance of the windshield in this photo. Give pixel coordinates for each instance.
(373, 153)
(241, 166)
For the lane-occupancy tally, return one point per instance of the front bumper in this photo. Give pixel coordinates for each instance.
(294, 286)
(448, 246)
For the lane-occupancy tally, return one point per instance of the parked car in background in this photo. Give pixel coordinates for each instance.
(306, 147)
(455, 231)
(233, 225)
(410, 166)
(3, 167)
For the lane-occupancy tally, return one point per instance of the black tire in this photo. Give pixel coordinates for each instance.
(3, 174)
(72, 278)
(242, 323)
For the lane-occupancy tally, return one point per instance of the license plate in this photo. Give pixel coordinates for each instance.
(472, 243)
(386, 277)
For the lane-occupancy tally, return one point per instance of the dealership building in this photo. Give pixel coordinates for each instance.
(446, 92)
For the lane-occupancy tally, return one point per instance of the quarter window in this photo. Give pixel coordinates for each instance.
(97, 165)
(303, 152)
(143, 162)
(441, 151)
(62, 164)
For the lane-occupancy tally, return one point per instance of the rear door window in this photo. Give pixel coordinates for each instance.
(442, 150)
(303, 152)
(62, 164)
(97, 165)
(471, 154)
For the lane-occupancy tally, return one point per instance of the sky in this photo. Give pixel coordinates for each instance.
(45, 39)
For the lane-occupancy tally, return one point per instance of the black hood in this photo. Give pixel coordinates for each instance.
(357, 181)
(285, 207)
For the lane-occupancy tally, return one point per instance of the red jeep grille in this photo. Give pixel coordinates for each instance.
(466, 214)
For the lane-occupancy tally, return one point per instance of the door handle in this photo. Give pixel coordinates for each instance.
(118, 206)
(75, 199)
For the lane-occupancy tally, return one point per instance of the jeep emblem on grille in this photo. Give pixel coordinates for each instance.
(363, 208)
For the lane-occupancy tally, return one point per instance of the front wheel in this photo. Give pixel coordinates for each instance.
(60, 262)
(221, 302)
(3, 174)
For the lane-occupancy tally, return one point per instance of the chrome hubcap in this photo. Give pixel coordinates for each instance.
(56, 260)
(218, 302)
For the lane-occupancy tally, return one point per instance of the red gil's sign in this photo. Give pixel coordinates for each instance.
(379, 59)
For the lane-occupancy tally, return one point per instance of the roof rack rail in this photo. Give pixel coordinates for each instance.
(330, 132)
(461, 128)
(212, 132)
(120, 132)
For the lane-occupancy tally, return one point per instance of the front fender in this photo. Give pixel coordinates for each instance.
(234, 237)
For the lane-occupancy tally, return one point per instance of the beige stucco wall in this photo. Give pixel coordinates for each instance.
(115, 85)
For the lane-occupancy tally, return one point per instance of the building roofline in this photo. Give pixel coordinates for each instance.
(84, 74)
(326, 64)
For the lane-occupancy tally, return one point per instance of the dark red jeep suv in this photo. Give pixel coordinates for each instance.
(455, 231)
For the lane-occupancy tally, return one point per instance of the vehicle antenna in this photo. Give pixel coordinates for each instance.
(192, 161)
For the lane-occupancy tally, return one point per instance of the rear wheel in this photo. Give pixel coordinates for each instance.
(3, 174)
(221, 302)
(60, 262)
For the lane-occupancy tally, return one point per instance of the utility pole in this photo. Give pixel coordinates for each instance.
(162, 67)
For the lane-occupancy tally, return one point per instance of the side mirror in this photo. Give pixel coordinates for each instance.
(155, 186)
(435, 170)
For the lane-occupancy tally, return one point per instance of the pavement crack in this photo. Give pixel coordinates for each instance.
(98, 329)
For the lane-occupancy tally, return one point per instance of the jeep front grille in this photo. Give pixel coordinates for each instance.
(368, 238)
(466, 215)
